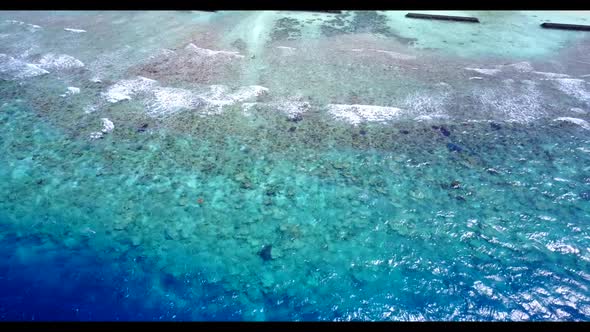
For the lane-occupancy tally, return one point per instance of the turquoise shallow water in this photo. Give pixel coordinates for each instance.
(289, 172)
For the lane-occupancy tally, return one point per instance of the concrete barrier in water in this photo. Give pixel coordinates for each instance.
(563, 26)
(443, 17)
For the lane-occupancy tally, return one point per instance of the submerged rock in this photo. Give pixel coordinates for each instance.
(244, 180)
(295, 118)
(341, 165)
(381, 190)
(454, 147)
(493, 171)
(444, 131)
(135, 240)
(266, 252)
(171, 234)
(120, 226)
(240, 44)
(142, 128)
(271, 190)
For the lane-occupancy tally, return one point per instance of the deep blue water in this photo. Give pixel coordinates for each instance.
(65, 285)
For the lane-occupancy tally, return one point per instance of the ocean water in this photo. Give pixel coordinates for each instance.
(293, 166)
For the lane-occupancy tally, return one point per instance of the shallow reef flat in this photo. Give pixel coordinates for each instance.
(291, 166)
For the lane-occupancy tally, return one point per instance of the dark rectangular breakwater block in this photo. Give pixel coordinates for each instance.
(326, 11)
(563, 26)
(444, 17)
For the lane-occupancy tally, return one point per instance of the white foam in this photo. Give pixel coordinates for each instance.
(96, 135)
(423, 118)
(217, 97)
(106, 63)
(558, 180)
(30, 27)
(74, 30)
(89, 109)
(210, 53)
(25, 54)
(573, 87)
(521, 105)
(168, 101)
(125, 89)
(582, 123)
(529, 83)
(220, 96)
(116, 96)
(396, 55)
(562, 248)
(484, 71)
(578, 110)
(107, 126)
(247, 107)
(521, 66)
(426, 105)
(286, 50)
(430, 117)
(162, 52)
(32, 70)
(483, 289)
(293, 108)
(18, 69)
(59, 61)
(71, 91)
(517, 315)
(551, 75)
(166, 51)
(476, 78)
(164, 101)
(248, 92)
(355, 114)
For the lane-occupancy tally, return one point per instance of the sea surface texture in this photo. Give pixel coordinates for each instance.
(294, 166)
